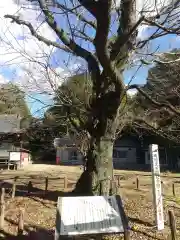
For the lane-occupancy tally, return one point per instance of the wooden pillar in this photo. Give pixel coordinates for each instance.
(2, 208)
(126, 235)
(118, 180)
(30, 186)
(21, 223)
(46, 185)
(65, 182)
(14, 188)
(173, 189)
(172, 223)
(137, 183)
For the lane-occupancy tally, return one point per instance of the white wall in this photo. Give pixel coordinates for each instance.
(65, 156)
(129, 157)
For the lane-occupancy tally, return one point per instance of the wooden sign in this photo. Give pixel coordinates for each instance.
(15, 156)
(156, 180)
(89, 215)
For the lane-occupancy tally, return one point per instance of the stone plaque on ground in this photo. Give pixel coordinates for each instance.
(89, 216)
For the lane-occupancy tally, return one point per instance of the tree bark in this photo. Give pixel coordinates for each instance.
(96, 179)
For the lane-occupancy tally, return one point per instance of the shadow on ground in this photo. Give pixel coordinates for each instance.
(150, 236)
(22, 190)
(39, 233)
(30, 232)
(139, 221)
(37, 194)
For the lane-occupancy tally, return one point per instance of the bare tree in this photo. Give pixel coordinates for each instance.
(106, 52)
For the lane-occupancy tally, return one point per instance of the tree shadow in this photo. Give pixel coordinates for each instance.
(40, 200)
(139, 221)
(39, 233)
(5, 235)
(35, 234)
(148, 235)
(44, 234)
(22, 190)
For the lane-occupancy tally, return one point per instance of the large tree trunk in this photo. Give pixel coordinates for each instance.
(96, 179)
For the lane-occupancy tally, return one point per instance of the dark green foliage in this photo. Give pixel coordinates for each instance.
(72, 101)
(163, 81)
(163, 87)
(12, 101)
(40, 137)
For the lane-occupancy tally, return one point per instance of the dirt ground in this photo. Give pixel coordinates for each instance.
(40, 209)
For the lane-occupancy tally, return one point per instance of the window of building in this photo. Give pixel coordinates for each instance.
(5, 146)
(73, 155)
(119, 153)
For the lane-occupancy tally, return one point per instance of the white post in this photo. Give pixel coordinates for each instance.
(156, 181)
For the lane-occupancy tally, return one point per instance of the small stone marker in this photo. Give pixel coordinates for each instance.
(90, 216)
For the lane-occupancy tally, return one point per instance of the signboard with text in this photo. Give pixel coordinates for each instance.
(156, 180)
(14, 156)
(89, 215)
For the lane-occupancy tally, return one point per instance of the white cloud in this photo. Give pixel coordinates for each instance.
(36, 79)
(148, 7)
(143, 32)
(19, 50)
(3, 80)
(33, 78)
(131, 92)
(17, 40)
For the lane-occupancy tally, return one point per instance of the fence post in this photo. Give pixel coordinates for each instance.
(46, 185)
(30, 186)
(173, 189)
(126, 234)
(172, 223)
(118, 180)
(137, 183)
(113, 187)
(2, 208)
(162, 187)
(14, 188)
(65, 182)
(21, 223)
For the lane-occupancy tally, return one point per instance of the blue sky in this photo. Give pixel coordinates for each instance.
(163, 44)
(58, 57)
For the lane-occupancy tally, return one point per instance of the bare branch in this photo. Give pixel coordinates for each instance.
(159, 104)
(79, 16)
(122, 40)
(101, 38)
(127, 26)
(140, 123)
(35, 34)
(101, 44)
(94, 7)
(165, 29)
(74, 47)
(82, 35)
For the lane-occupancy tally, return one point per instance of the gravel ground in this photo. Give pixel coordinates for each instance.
(40, 209)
